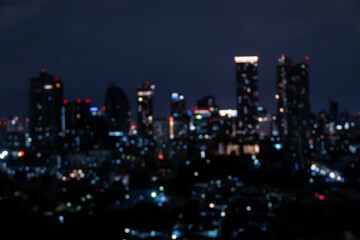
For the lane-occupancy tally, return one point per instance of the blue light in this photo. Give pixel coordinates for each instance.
(311, 146)
(94, 109)
(174, 96)
(277, 146)
(296, 165)
(176, 233)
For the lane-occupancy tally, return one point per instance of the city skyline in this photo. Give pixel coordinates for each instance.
(203, 66)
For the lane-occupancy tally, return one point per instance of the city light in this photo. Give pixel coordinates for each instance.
(246, 59)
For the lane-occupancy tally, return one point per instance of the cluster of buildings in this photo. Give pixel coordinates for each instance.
(101, 161)
(60, 125)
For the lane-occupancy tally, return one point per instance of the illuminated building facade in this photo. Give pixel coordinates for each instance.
(178, 105)
(46, 116)
(117, 111)
(145, 93)
(178, 121)
(247, 99)
(294, 109)
(78, 124)
(205, 120)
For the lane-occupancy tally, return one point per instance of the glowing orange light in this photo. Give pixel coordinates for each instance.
(171, 118)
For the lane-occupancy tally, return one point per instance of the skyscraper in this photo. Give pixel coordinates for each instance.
(247, 99)
(117, 110)
(78, 124)
(177, 105)
(46, 115)
(145, 94)
(179, 120)
(294, 109)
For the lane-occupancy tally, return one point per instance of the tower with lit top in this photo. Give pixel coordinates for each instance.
(247, 99)
(46, 116)
(145, 117)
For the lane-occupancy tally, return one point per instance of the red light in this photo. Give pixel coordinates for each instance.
(322, 197)
(132, 127)
(117, 106)
(196, 108)
(161, 156)
(42, 71)
(210, 121)
(56, 79)
(282, 55)
(104, 108)
(87, 100)
(316, 194)
(306, 58)
(65, 101)
(171, 118)
(78, 101)
(21, 153)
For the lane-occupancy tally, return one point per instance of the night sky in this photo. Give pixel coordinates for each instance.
(180, 45)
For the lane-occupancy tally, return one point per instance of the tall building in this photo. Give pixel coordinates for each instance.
(333, 111)
(294, 109)
(145, 116)
(46, 113)
(247, 99)
(117, 112)
(78, 133)
(179, 120)
(205, 120)
(177, 105)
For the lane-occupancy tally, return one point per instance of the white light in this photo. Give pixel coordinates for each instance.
(48, 86)
(126, 230)
(153, 194)
(173, 236)
(246, 59)
(248, 208)
(332, 175)
(211, 205)
(223, 214)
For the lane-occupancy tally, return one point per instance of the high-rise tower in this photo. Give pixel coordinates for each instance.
(247, 99)
(145, 117)
(46, 112)
(294, 109)
(117, 110)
